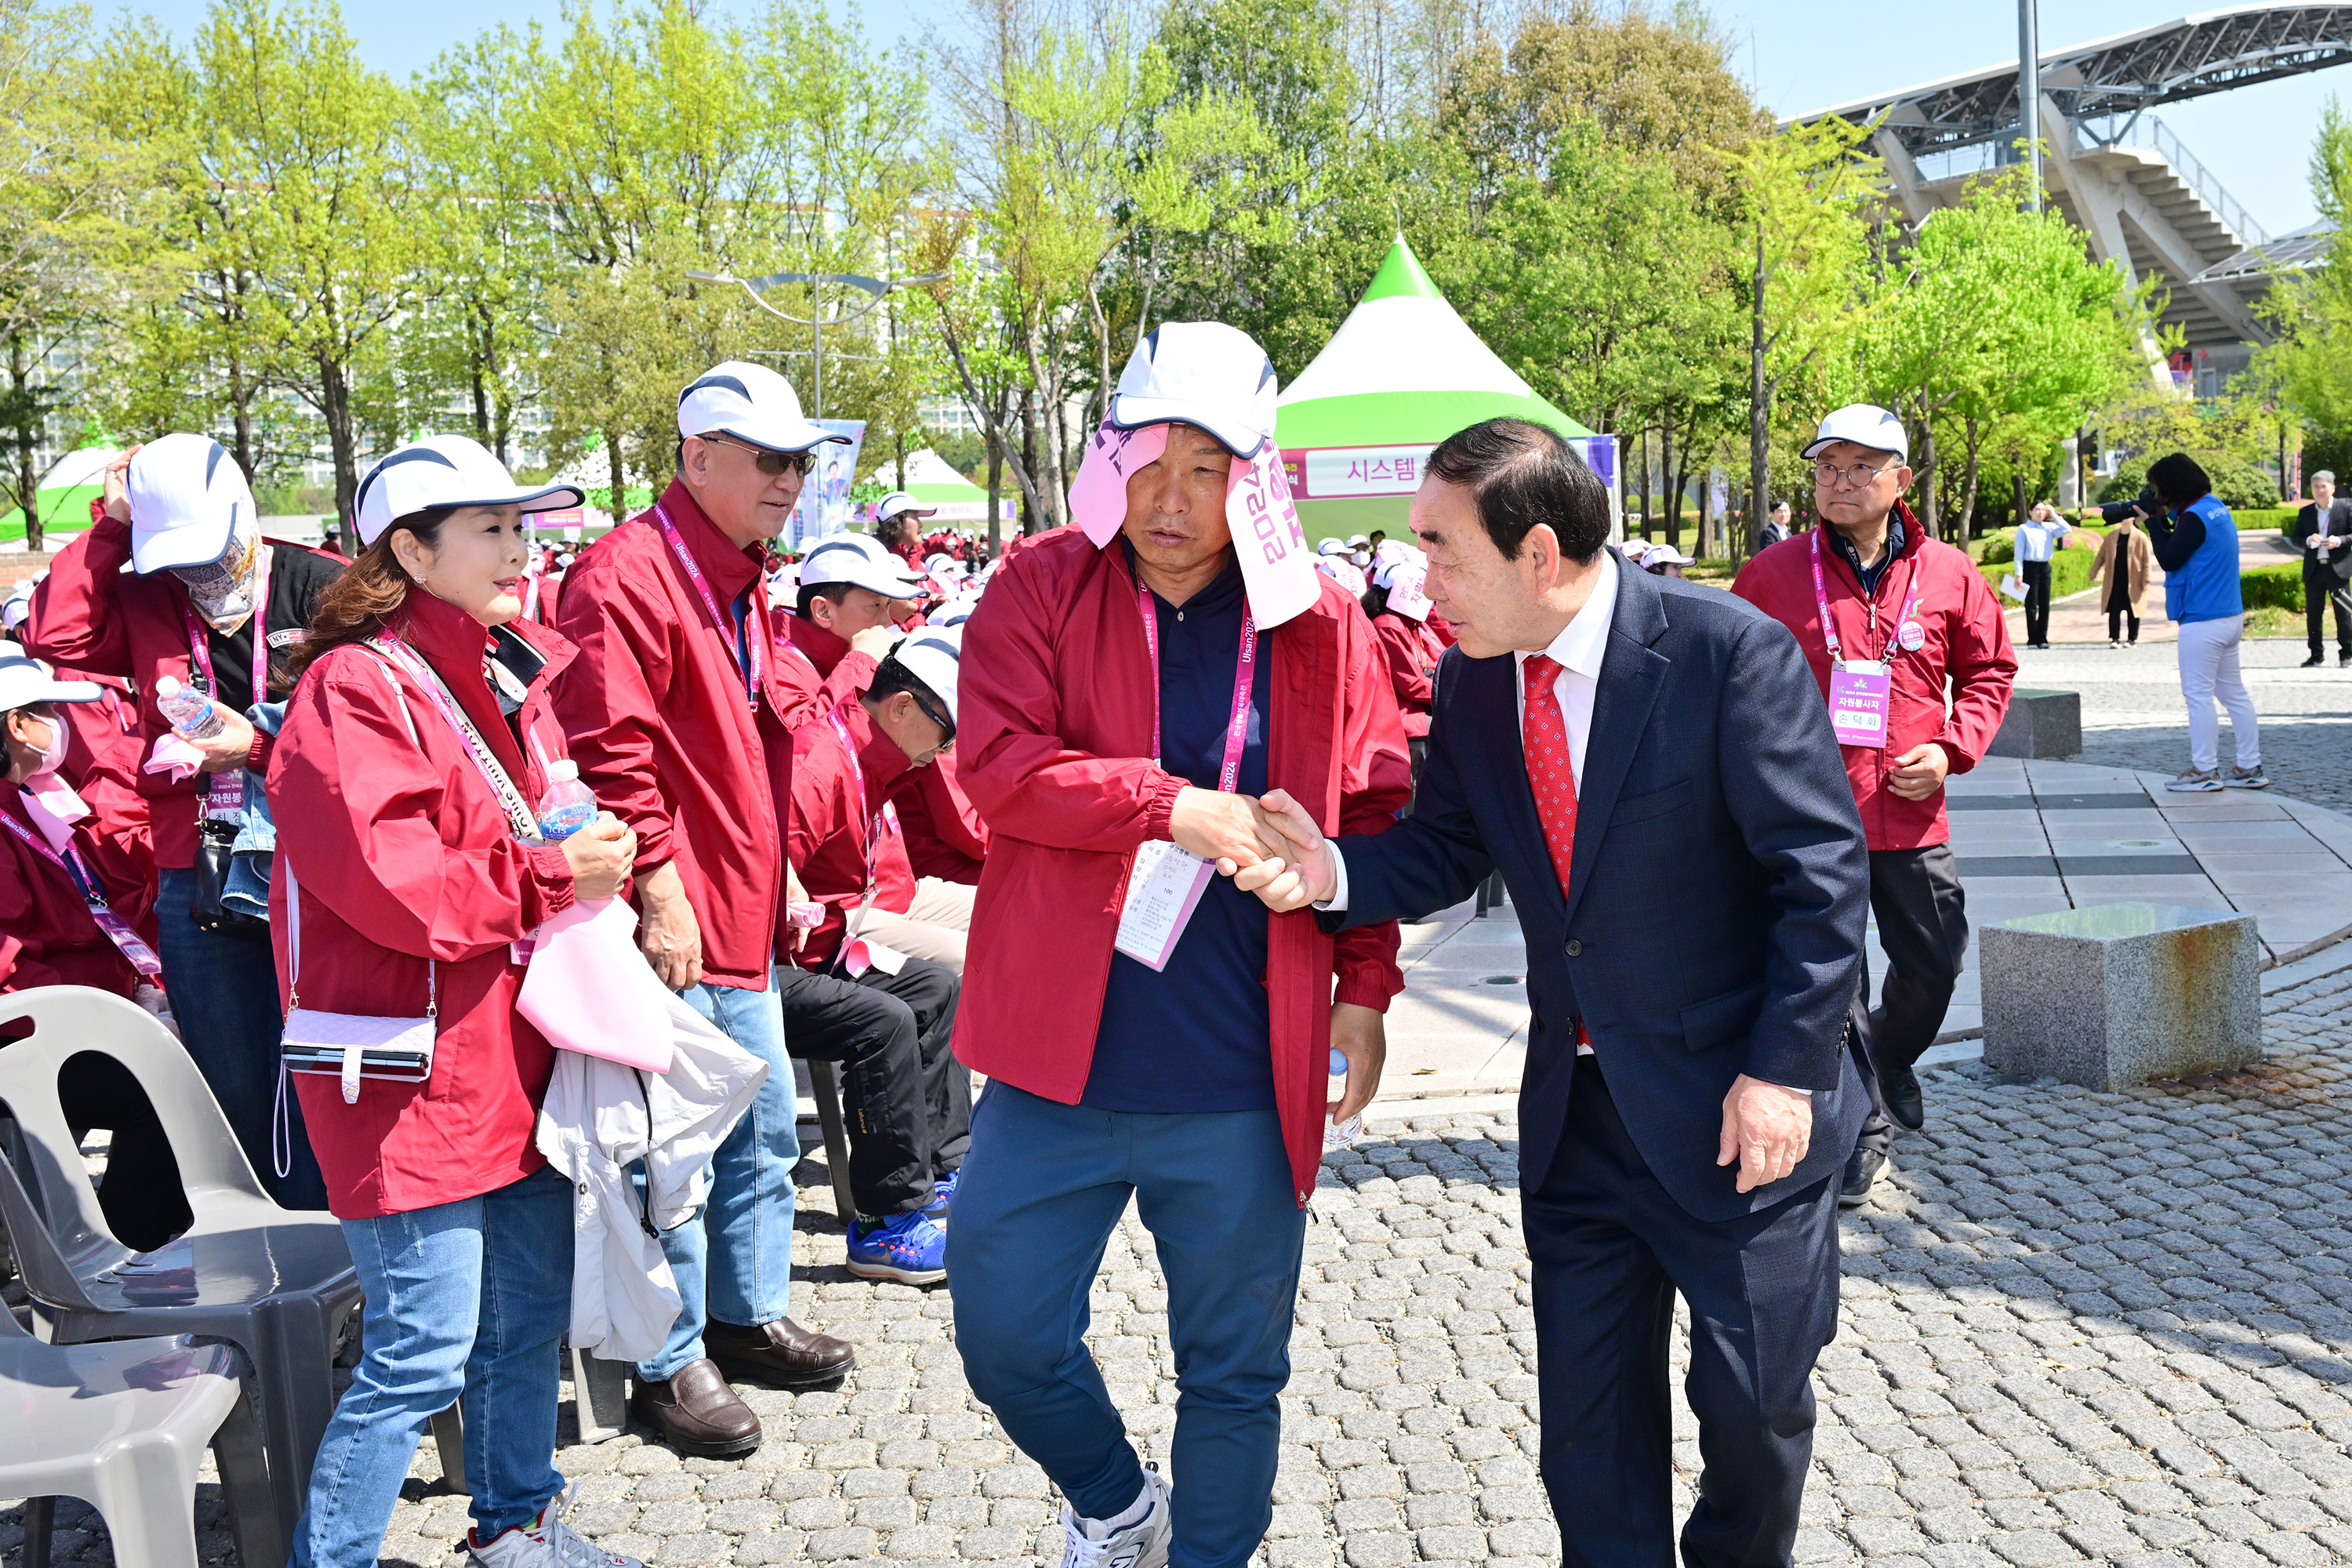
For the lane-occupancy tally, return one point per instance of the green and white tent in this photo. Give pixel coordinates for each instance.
(1403, 372)
(932, 481)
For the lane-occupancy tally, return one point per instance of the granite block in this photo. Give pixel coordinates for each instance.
(2041, 724)
(2111, 996)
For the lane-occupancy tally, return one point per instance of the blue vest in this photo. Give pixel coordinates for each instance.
(2206, 587)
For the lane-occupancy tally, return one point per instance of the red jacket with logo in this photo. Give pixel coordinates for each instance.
(405, 859)
(945, 837)
(656, 709)
(1968, 642)
(814, 671)
(94, 614)
(1054, 746)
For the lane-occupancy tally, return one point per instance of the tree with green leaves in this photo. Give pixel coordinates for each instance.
(2310, 363)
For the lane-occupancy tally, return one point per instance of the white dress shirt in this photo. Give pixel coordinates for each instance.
(2035, 540)
(1577, 651)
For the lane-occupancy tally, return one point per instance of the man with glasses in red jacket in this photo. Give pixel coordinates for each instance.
(1887, 616)
(1148, 1031)
(675, 719)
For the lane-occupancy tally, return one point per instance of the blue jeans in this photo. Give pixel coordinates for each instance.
(224, 992)
(1041, 1190)
(470, 1296)
(734, 1260)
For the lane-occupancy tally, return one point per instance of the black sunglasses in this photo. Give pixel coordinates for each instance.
(931, 711)
(775, 465)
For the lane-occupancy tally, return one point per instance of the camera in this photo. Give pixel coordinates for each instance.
(2117, 511)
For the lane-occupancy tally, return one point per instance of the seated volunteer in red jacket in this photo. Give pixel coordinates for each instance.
(76, 908)
(677, 720)
(850, 590)
(877, 983)
(1888, 615)
(898, 519)
(408, 867)
(1130, 685)
(177, 511)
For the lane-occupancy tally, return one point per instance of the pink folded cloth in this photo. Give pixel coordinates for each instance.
(173, 754)
(589, 989)
(54, 807)
(1277, 570)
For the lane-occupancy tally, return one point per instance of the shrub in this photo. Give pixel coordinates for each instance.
(2276, 587)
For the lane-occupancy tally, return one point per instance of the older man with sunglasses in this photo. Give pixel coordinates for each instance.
(675, 719)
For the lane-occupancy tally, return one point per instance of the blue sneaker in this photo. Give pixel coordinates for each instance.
(907, 1247)
(943, 1198)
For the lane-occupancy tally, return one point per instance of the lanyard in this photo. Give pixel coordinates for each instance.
(1229, 773)
(200, 652)
(530, 600)
(1829, 627)
(745, 647)
(118, 930)
(485, 762)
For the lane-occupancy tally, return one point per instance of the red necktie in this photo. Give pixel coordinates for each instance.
(1551, 774)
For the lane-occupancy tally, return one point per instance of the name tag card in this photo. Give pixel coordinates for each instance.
(1162, 893)
(1858, 700)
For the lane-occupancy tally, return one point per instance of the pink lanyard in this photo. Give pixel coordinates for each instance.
(485, 763)
(1229, 773)
(530, 600)
(224, 795)
(118, 930)
(886, 815)
(718, 618)
(1829, 627)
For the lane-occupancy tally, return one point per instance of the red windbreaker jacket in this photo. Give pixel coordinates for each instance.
(655, 711)
(46, 934)
(814, 671)
(1968, 641)
(1413, 653)
(945, 837)
(832, 824)
(95, 615)
(404, 856)
(1055, 743)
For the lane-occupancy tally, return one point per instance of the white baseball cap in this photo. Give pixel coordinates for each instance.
(446, 470)
(860, 561)
(1200, 372)
(25, 680)
(1668, 555)
(1864, 424)
(750, 402)
(19, 605)
(900, 503)
(935, 655)
(188, 496)
(1332, 546)
(954, 613)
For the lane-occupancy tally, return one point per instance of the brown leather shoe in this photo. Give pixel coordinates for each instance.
(697, 1414)
(781, 1353)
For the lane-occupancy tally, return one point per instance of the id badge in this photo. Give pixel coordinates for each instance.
(1162, 891)
(133, 947)
(1859, 690)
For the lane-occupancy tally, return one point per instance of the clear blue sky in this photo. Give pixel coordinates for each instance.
(1802, 54)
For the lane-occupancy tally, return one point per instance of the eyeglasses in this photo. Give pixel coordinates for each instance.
(1854, 478)
(775, 465)
(931, 711)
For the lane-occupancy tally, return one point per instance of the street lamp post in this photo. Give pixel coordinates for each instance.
(2028, 98)
(815, 321)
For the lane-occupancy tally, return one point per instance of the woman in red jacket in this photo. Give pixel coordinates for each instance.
(409, 866)
(78, 908)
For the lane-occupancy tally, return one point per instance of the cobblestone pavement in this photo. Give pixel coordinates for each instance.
(2077, 1327)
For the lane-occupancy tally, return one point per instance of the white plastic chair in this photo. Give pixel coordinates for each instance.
(123, 1426)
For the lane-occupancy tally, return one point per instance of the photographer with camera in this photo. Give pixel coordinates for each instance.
(2196, 541)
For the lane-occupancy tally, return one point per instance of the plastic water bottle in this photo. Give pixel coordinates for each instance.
(1340, 1134)
(190, 712)
(568, 806)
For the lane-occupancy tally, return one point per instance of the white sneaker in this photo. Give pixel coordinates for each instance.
(1091, 1544)
(2194, 781)
(548, 1542)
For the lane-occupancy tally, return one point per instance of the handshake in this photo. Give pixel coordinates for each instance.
(1268, 845)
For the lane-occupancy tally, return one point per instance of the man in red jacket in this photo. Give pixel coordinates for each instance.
(1887, 615)
(850, 588)
(1130, 684)
(675, 718)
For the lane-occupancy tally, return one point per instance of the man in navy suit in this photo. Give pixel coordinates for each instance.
(1651, 766)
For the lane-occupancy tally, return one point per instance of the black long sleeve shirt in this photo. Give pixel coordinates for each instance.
(2175, 538)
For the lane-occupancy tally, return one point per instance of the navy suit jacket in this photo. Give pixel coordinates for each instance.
(1717, 893)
